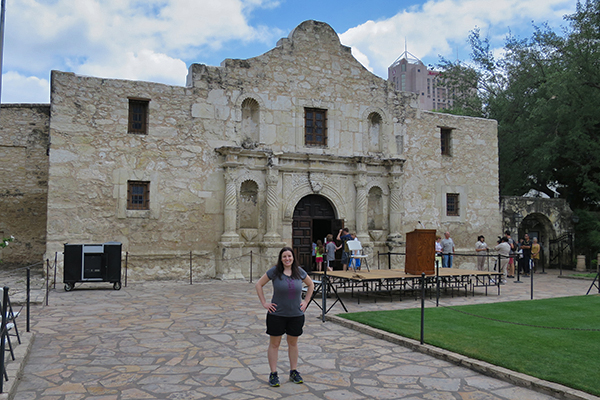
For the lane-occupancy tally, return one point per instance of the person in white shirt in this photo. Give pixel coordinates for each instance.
(481, 248)
(503, 248)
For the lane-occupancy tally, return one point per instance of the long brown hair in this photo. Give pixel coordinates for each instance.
(279, 267)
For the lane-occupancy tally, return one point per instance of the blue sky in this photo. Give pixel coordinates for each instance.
(157, 40)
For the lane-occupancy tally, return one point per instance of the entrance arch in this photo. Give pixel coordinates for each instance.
(314, 218)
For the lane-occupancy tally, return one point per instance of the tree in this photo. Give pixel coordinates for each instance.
(544, 91)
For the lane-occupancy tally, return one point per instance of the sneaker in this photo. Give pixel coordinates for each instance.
(273, 379)
(295, 377)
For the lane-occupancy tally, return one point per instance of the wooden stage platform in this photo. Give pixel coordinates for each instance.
(391, 282)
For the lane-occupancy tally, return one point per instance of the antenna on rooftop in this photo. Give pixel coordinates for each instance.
(411, 58)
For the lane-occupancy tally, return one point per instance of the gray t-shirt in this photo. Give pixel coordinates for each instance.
(287, 293)
(447, 246)
(330, 250)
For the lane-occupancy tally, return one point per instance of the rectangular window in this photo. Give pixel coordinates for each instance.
(445, 134)
(138, 116)
(138, 195)
(315, 127)
(452, 205)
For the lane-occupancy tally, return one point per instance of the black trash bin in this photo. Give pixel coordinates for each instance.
(92, 263)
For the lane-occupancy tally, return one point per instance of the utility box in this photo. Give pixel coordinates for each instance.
(92, 263)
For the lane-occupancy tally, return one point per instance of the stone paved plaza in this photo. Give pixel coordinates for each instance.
(173, 340)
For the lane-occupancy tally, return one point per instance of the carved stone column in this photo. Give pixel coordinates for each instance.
(272, 205)
(360, 183)
(230, 207)
(395, 208)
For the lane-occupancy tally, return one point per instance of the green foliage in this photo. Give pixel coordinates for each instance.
(6, 241)
(513, 335)
(544, 91)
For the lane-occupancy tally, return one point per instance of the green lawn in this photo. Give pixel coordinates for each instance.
(566, 356)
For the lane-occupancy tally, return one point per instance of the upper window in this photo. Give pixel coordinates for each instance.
(138, 116)
(315, 127)
(445, 134)
(138, 195)
(452, 205)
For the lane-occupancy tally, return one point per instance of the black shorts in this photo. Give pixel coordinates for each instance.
(277, 326)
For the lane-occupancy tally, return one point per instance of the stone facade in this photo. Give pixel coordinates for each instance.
(227, 162)
(24, 181)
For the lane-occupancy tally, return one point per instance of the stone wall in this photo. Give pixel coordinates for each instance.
(232, 141)
(23, 181)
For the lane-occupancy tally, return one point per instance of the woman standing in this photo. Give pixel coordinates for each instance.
(285, 311)
(480, 248)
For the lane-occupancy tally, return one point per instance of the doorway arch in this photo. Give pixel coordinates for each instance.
(314, 218)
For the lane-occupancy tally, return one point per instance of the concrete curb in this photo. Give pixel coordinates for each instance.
(14, 369)
(507, 375)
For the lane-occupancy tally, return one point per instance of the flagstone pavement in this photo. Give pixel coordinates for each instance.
(173, 340)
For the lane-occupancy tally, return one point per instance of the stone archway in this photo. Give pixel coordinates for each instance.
(314, 218)
(538, 225)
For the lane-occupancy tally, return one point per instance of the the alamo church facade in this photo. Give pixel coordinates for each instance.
(276, 150)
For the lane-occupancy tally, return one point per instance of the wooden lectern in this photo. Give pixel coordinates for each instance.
(420, 252)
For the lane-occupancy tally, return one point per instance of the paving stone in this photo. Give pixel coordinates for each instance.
(172, 340)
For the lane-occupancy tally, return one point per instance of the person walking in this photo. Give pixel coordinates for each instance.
(535, 253)
(510, 269)
(330, 249)
(285, 311)
(526, 247)
(481, 248)
(344, 235)
(503, 249)
(447, 250)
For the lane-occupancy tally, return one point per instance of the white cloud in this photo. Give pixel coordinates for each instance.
(145, 65)
(440, 27)
(130, 39)
(17, 88)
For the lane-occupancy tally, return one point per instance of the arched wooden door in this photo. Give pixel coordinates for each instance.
(314, 218)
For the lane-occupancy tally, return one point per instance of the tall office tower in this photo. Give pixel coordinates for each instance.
(409, 74)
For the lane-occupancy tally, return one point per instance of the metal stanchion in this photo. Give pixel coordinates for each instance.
(55, 268)
(28, 294)
(126, 260)
(324, 293)
(250, 266)
(422, 305)
(3, 310)
(437, 281)
(518, 268)
(190, 267)
(531, 276)
(47, 279)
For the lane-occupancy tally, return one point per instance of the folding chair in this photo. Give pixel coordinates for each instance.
(10, 324)
(354, 245)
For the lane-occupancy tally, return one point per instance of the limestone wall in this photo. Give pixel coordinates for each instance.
(23, 181)
(242, 124)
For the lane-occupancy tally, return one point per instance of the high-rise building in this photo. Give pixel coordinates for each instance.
(409, 74)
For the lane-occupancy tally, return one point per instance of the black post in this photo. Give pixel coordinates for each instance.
(55, 268)
(531, 275)
(3, 309)
(47, 279)
(190, 267)
(250, 266)
(324, 293)
(378, 267)
(28, 303)
(126, 260)
(437, 281)
(422, 305)
(389, 260)
(518, 268)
